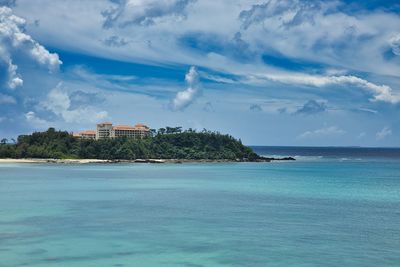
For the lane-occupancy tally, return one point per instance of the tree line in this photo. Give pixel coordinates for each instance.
(165, 143)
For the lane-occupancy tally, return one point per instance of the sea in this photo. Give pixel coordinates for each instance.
(331, 207)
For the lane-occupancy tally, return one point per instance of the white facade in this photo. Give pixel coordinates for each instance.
(107, 130)
(104, 130)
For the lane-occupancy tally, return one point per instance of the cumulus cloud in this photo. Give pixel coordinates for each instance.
(14, 40)
(385, 132)
(394, 42)
(14, 79)
(59, 103)
(312, 107)
(184, 98)
(143, 13)
(323, 132)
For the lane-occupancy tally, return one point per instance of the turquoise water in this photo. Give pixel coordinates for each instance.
(306, 213)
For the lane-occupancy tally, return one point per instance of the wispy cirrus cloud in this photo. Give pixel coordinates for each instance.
(382, 92)
(385, 132)
(143, 13)
(289, 13)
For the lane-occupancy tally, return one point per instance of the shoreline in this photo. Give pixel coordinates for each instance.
(153, 161)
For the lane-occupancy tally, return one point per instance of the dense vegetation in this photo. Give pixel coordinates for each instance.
(167, 143)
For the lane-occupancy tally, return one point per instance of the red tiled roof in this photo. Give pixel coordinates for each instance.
(123, 127)
(88, 132)
(139, 125)
(106, 122)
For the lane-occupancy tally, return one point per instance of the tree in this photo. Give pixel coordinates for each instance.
(161, 131)
(4, 141)
(178, 144)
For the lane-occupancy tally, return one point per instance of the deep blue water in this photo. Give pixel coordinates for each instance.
(316, 211)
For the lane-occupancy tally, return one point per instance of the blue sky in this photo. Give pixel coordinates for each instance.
(268, 72)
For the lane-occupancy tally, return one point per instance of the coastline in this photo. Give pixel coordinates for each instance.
(153, 161)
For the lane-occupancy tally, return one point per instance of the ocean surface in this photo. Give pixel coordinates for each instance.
(331, 207)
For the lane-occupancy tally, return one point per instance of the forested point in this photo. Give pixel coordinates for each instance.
(163, 144)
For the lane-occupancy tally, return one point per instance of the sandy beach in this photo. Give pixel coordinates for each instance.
(156, 161)
(75, 161)
(103, 161)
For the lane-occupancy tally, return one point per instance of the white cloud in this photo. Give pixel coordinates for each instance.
(382, 93)
(14, 79)
(14, 40)
(289, 13)
(35, 121)
(144, 13)
(394, 42)
(368, 110)
(6, 99)
(382, 134)
(92, 77)
(59, 102)
(323, 132)
(186, 97)
(318, 31)
(217, 78)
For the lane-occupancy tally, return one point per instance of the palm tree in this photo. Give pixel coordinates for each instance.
(4, 141)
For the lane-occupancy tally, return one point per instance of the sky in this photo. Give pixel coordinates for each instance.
(304, 73)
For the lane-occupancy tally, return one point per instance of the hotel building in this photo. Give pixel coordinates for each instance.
(89, 134)
(106, 130)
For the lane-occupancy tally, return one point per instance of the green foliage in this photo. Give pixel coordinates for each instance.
(168, 143)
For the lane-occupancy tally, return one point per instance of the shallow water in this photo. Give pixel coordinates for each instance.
(304, 213)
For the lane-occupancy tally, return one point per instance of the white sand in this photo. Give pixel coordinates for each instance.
(78, 161)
